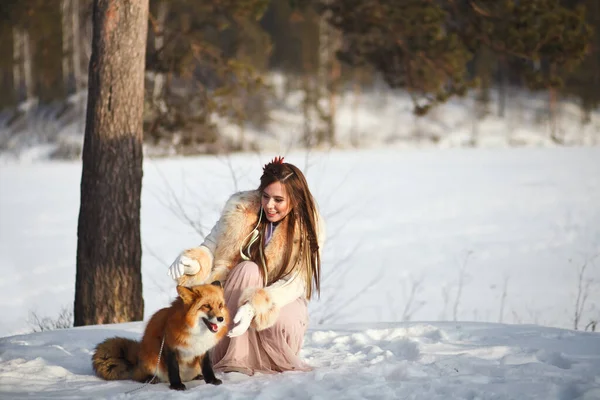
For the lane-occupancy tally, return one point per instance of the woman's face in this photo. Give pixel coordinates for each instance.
(275, 202)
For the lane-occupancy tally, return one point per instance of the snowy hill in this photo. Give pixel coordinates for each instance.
(352, 361)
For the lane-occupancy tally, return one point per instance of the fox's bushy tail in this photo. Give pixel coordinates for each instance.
(117, 359)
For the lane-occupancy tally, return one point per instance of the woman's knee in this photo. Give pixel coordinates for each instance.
(247, 269)
(292, 318)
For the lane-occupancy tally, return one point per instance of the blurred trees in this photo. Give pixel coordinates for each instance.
(426, 46)
(205, 58)
(208, 60)
(584, 83)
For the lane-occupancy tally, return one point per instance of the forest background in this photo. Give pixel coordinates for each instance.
(244, 75)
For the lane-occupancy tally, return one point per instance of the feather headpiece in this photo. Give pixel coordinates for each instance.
(276, 161)
(275, 168)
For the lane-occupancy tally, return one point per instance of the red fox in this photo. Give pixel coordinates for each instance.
(193, 324)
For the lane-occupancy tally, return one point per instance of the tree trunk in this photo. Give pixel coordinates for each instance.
(552, 115)
(159, 42)
(76, 50)
(67, 40)
(78, 78)
(64, 28)
(325, 120)
(27, 67)
(334, 80)
(17, 62)
(307, 136)
(108, 287)
(328, 73)
(502, 87)
(356, 91)
(22, 65)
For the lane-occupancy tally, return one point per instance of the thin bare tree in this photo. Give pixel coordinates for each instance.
(503, 298)
(461, 283)
(583, 291)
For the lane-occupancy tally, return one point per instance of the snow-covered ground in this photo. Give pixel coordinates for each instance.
(429, 361)
(486, 245)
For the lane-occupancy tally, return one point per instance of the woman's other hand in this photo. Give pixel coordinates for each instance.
(183, 265)
(242, 319)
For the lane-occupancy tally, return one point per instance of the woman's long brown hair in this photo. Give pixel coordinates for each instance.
(303, 216)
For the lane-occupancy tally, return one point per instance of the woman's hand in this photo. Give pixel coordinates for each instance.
(183, 265)
(243, 318)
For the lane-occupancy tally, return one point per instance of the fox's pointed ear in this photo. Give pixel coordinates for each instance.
(185, 293)
(217, 283)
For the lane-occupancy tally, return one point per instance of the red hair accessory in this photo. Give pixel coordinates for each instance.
(276, 160)
(276, 169)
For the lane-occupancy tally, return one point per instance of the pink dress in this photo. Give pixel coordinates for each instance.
(271, 350)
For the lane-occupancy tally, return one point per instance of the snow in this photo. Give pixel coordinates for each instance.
(437, 360)
(448, 273)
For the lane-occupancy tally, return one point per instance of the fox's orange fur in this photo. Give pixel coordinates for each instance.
(187, 339)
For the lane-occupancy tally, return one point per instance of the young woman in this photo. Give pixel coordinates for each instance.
(266, 249)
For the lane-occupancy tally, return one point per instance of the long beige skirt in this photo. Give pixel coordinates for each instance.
(271, 350)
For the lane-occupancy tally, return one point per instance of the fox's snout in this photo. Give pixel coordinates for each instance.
(213, 322)
(212, 316)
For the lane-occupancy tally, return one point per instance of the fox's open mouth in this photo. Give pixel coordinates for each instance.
(212, 327)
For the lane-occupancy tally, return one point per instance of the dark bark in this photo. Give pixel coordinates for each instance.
(108, 287)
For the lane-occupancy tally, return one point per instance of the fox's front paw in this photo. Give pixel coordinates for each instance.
(177, 386)
(215, 381)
